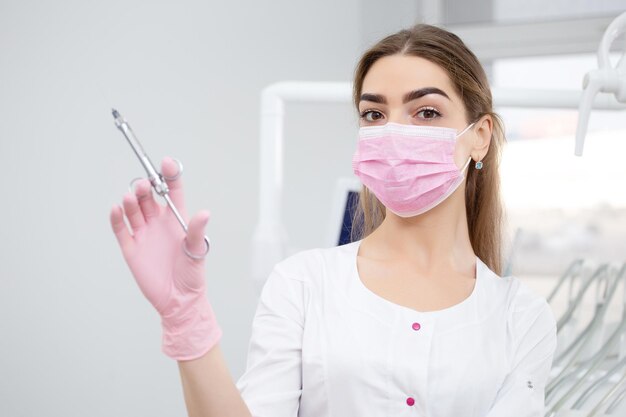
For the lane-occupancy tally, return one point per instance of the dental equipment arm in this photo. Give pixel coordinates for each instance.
(593, 364)
(605, 79)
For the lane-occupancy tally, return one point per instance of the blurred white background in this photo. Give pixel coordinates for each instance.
(76, 336)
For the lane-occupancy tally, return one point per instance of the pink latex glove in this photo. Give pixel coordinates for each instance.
(173, 282)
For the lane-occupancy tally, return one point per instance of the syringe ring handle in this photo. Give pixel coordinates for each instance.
(160, 184)
(207, 247)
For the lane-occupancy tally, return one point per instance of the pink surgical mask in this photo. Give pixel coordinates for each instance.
(409, 168)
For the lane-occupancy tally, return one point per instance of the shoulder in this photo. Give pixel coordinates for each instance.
(303, 276)
(515, 294)
(531, 317)
(525, 310)
(312, 265)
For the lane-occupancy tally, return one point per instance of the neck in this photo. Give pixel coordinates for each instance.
(436, 239)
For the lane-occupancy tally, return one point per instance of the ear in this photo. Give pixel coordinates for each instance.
(484, 129)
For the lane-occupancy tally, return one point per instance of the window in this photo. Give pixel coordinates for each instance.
(560, 206)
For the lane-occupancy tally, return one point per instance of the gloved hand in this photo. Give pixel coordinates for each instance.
(173, 282)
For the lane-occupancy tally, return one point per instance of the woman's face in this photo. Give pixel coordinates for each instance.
(414, 91)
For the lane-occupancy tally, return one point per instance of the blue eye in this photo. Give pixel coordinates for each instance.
(428, 113)
(371, 115)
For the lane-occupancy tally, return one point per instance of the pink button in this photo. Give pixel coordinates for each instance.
(410, 401)
(416, 326)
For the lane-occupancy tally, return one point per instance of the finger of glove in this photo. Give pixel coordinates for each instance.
(149, 207)
(195, 233)
(133, 212)
(124, 239)
(169, 168)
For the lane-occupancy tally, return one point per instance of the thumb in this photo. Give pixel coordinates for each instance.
(195, 233)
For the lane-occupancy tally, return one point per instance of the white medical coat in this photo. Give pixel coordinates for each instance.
(325, 345)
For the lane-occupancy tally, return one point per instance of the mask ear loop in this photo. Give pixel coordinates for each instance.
(470, 157)
(466, 129)
(466, 165)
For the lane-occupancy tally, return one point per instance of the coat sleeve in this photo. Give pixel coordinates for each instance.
(272, 383)
(533, 329)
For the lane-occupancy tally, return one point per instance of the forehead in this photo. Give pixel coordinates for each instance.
(395, 75)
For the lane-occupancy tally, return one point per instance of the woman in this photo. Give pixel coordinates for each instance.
(412, 318)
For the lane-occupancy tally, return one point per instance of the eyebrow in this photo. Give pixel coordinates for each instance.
(413, 95)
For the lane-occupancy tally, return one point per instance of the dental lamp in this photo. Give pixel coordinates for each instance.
(605, 79)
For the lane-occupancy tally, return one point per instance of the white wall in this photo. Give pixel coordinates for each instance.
(77, 338)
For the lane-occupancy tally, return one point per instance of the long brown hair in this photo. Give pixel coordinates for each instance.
(482, 191)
